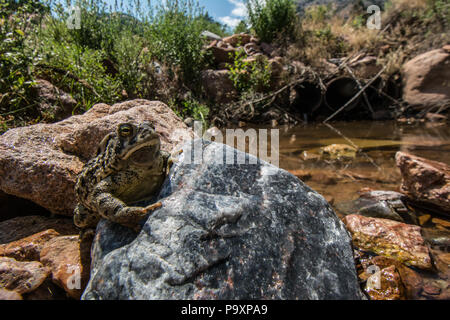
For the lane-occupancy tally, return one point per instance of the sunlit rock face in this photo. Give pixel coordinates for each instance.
(227, 231)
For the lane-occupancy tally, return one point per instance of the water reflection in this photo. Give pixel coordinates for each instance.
(301, 153)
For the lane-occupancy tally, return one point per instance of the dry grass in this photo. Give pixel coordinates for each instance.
(409, 27)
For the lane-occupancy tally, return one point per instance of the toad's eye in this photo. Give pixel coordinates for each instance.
(125, 130)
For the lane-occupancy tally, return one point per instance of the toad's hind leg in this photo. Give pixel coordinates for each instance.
(86, 220)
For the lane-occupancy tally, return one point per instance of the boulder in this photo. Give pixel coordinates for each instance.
(425, 180)
(41, 162)
(69, 262)
(29, 248)
(218, 224)
(236, 40)
(53, 102)
(222, 55)
(426, 79)
(396, 240)
(23, 227)
(9, 295)
(218, 85)
(21, 277)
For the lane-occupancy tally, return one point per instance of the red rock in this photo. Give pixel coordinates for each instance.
(41, 162)
(426, 78)
(411, 281)
(425, 180)
(29, 248)
(9, 295)
(431, 290)
(385, 285)
(53, 101)
(240, 39)
(22, 227)
(21, 277)
(442, 263)
(218, 85)
(69, 262)
(222, 55)
(400, 241)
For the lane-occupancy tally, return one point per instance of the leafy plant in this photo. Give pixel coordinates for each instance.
(271, 17)
(175, 36)
(249, 75)
(16, 57)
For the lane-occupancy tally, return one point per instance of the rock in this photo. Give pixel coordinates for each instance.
(9, 295)
(236, 40)
(22, 227)
(437, 238)
(425, 180)
(251, 48)
(338, 151)
(431, 290)
(393, 239)
(46, 291)
(41, 162)
(426, 79)
(423, 219)
(267, 48)
(385, 285)
(189, 122)
(411, 280)
(442, 264)
(69, 263)
(443, 223)
(276, 66)
(220, 223)
(210, 36)
(54, 102)
(29, 248)
(21, 277)
(380, 210)
(385, 205)
(218, 85)
(222, 55)
(366, 68)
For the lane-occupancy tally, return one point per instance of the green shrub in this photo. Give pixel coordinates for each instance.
(191, 108)
(16, 55)
(175, 36)
(270, 17)
(249, 76)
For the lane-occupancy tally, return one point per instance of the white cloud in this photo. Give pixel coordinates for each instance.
(237, 14)
(230, 21)
(239, 10)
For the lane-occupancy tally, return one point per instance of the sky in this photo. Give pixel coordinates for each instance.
(229, 12)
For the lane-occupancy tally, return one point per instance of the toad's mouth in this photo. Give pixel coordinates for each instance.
(143, 153)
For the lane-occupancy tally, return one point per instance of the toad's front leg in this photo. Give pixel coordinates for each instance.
(115, 210)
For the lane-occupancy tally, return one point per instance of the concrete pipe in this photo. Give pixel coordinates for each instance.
(308, 97)
(340, 91)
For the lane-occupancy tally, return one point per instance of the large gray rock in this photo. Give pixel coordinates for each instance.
(227, 232)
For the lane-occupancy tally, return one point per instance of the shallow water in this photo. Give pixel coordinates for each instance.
(374, 164)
